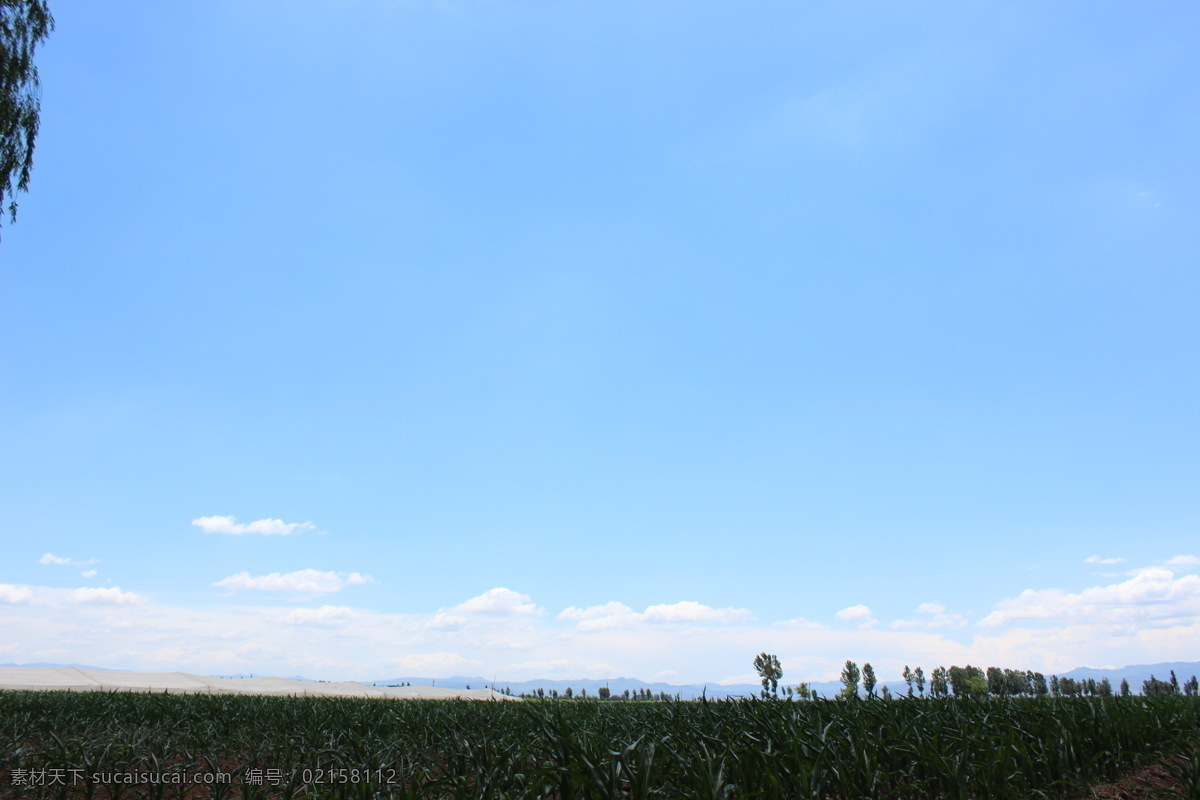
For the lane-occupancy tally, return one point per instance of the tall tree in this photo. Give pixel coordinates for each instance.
(850, 680)
(768, 669)
(995, 682)
(919, 678)
(868, 676)
(939, 682)
(24, 24)
(1156, 688)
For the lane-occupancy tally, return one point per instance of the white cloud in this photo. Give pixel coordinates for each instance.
(800, 623)
(499, 602)
(308, 581)
(264, 527)
(603, 617)
(613, 615)
(50, 558)
(561, 668)
(1099, 560)
(104, 596)
(443, 621)
(325, 615)
(610, 609)
(608, 640)
(933, 616)
(490, 642)
(1152, 596)
(88, 573)
(15, 594)
(690, 611)
(439, 662)
(1183, 561)
(859, 613)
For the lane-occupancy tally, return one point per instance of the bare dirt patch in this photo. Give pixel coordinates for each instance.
(1148, 783)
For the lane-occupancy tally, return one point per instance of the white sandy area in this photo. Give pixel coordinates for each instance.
(101, 680)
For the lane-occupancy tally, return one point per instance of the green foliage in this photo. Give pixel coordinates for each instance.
(768, 669)
(1157, 688)
(24, 24)
(850, 681)
(869, 681)
(939, 684)
(999, 748)
(1186, 770)
(967, 681)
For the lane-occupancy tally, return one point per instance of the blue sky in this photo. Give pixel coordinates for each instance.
(592, 339)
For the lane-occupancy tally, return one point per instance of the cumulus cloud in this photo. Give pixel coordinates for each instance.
(103, 596)
(930, 608)
(499, 602)
(263, 527)
(61, 561)
(15, 594)
(1099, 560)
(1152, 596)
(308, 581)
(325, 615)
(1183, 561)
(618, 615)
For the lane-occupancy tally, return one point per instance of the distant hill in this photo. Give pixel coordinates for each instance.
(1138, 673)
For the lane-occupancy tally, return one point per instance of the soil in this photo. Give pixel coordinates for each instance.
(1149, 783)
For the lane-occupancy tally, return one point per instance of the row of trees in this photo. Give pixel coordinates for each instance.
(1157, 688)
(965, 681)
(953, 681)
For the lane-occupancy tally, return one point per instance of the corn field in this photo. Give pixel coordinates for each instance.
(95, 746)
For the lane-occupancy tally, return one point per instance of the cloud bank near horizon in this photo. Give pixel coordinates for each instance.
(1149, 614)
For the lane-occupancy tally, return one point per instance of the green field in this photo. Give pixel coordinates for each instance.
(114, 746)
